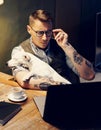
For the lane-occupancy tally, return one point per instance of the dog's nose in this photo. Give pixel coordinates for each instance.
(6, 64)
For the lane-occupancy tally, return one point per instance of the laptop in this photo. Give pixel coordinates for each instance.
(72, 106)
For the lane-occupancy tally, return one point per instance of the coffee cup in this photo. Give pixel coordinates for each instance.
(17, 92)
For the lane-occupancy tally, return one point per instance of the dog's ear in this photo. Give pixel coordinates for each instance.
(27, 58)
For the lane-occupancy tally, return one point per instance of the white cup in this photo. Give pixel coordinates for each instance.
(17, 92)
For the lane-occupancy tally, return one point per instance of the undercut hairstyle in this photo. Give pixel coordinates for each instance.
(41, 15)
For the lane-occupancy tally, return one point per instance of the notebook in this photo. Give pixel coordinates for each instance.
(7, 111)
(72, 106)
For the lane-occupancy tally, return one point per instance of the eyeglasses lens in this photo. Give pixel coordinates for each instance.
(41, 33)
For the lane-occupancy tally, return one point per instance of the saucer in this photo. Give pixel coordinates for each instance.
(12, 98)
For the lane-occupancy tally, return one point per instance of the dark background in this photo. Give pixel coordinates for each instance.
(76, 17)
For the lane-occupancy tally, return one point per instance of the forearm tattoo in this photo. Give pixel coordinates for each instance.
(88, 64)
(68, 43)
(77, 58)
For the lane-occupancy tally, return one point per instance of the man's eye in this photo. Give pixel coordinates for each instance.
(40, 33)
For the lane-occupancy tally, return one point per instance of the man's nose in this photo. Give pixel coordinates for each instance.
(44, 37)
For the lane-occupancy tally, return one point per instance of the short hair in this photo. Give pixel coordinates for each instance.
(41, 15)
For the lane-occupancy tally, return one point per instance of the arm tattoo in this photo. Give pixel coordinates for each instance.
(76, 71)
(71, 65)
(68, 43)
(77, 58)
(42, 86)
(86, 73)
(88, 64)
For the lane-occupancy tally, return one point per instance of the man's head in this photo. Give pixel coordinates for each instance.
(40, 28)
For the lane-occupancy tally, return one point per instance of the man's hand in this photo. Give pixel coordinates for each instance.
(61, 37)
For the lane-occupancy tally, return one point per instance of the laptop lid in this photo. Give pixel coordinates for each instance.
(74, 105)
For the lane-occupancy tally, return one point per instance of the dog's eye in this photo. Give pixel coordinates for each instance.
(20, 64)
(27, 58)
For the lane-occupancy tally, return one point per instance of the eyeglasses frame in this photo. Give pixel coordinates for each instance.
(43, 32)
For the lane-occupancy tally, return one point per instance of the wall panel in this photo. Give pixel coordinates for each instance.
(78, 19)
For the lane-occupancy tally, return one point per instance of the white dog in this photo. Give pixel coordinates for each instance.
(36, 67)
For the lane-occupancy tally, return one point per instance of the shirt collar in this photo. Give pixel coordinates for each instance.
(36, 49)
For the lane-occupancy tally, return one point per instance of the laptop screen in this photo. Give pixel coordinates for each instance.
(74, 105)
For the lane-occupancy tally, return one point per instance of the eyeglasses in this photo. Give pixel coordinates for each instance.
(41, 33)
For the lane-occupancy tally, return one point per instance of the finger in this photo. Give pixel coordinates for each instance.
(56, 31)
(60, 36)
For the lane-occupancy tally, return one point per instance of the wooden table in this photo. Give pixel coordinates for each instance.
(29, 117)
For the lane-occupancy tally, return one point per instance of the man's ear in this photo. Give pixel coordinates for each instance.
(28, 29)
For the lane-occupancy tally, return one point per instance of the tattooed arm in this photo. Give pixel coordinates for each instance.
(34, 82)
(79, 64)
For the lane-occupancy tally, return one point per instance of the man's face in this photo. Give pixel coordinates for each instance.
(41, 33)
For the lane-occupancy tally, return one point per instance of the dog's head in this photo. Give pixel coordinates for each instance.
(21, 61)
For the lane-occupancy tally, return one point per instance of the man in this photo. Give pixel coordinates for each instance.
(56, 51)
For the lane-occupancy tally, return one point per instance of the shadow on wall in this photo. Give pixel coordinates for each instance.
(10, 31)
(6, 41)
